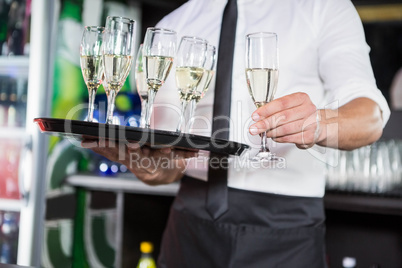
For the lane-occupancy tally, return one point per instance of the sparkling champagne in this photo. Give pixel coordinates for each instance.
(203, 85)
(187, 78)
(92, 71)
(157, 68)
(118, 67)
(262, 83)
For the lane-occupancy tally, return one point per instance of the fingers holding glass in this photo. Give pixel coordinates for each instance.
(262, 78)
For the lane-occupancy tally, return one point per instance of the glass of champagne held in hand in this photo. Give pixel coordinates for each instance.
(262, 78)
(118, 51)
(189, 70)
(203, 85)
(91, 63)
(159, 49)
(142, 87)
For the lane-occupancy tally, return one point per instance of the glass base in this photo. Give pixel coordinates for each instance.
(113, 121)
(94, 120)
(267, 156)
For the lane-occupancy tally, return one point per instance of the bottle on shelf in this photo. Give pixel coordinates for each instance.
(26, 27)
(3, 175)
(22, 86)
(15, 36)
(5, 253)
(4, 88)
(11, 169)
(1, 237)
(67, 70)
(9, 235)
(12, 104)
(146, 258)
(4, 8)
(9, 161)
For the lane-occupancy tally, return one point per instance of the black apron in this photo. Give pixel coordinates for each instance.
(259, 230)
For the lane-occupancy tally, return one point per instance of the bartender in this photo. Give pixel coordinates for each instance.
(326, 99)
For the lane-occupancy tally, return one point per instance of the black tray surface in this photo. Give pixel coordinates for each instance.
(154, 138)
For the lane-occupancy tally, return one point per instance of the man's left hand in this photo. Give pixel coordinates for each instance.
(289, 119)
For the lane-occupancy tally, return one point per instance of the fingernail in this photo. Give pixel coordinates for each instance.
(133, 146)
(88, 144)
(255, 117)
(166, 150)
(253, 130)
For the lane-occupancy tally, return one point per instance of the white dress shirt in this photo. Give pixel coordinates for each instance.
(322, 52)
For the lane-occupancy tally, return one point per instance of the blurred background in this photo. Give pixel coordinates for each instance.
(61, 206)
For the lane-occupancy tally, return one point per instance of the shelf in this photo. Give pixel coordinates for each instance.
(363, 203)
(12, 133)
(16, 66)
(123, 183)
(10, 204)
(333, 201)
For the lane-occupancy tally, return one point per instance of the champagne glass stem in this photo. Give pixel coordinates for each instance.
(92, 93)
(193, 103)
(110, 107)
(150, 104)
(181, 120)
(264, 144)
(144, 105)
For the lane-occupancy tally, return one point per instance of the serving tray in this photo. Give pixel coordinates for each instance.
(76, 129)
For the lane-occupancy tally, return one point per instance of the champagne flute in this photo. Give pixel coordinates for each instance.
(262, 78)
(118, 51)
(203, 85)
(91, 63)
(189, 70)
(159, 49)
(141, 82)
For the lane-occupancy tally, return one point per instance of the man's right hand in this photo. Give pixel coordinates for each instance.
(152, 166)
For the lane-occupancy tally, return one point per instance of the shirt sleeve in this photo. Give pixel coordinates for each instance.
(344, 62)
